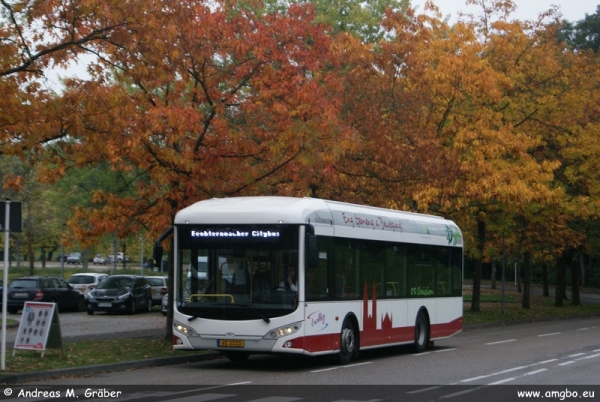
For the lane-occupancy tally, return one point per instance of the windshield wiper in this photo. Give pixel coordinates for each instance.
(261, 315)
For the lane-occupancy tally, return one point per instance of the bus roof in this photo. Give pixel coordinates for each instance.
(344, 219)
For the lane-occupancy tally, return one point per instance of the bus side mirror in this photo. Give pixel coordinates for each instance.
(157, 253)
(312, 252)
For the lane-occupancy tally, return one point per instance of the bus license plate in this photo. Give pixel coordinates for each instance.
(229, 343)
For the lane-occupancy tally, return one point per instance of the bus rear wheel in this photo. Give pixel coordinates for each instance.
(421, 332)
(348, 345)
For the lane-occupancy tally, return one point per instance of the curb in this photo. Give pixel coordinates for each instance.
(17, 378)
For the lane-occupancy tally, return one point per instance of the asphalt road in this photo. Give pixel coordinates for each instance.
(555, 352)
(492, 364)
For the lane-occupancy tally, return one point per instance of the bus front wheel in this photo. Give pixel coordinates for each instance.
(421, 332)
(348, 346)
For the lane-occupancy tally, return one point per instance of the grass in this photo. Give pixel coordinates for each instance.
(78, 354)
(541, 308)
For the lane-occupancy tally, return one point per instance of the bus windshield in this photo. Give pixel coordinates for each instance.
(237, 273)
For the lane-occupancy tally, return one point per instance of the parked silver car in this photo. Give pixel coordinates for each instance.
(158, 284)
(99, 259)
(164, 304)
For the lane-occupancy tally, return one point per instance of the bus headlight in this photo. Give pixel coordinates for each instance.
(183, 329)
(284, 331)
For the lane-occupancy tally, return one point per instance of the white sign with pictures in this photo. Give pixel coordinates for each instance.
(39, 328)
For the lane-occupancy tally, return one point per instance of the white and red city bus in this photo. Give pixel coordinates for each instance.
(359, 277)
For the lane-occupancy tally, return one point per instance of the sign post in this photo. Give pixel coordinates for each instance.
(6, 226)
(10, 219)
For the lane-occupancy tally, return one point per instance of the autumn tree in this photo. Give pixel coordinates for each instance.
(449, 120)
(36, 36)
(205, 100)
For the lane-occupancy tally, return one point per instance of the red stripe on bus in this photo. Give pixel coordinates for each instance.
(382, 337)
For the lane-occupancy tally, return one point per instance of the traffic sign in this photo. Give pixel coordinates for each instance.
(15, 216)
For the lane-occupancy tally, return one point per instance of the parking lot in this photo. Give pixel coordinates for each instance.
(75, 326)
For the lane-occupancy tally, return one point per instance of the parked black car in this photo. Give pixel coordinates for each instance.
(43, 289)
(126, 293)
(74, 258)
(61, 257)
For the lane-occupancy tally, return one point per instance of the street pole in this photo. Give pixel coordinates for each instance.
(5, 283)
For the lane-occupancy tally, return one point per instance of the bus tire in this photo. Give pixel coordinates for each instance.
(348, 344)
(421, 332)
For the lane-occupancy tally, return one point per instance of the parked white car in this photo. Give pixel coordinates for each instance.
(100, 259)
(85, 282)
(120, 257)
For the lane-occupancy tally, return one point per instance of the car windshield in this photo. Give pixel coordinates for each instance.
(115, 282)
(155, 281)
(24, 283)
(80, 279)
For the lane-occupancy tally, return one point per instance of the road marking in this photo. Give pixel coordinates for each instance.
(510, 370)
(551, 334)
(496, 343)
(583, 329)
(460, 393)
(444, 350)
(521, 376)
(503, 381)
(341, 367)
(202, 398)
(576, 354)
(493, 374)
(535, 372)
(566, 363)
(423, 390)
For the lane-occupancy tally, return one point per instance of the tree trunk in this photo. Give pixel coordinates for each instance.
(494, 274)
(575, 295)
(526, 280)
(583, 267)
(170, 297)
(30, 251)
(518, 277)
(476, 300)
(546, 290)
(561, 286)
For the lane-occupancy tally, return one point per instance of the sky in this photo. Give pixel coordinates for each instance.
(571, 10)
